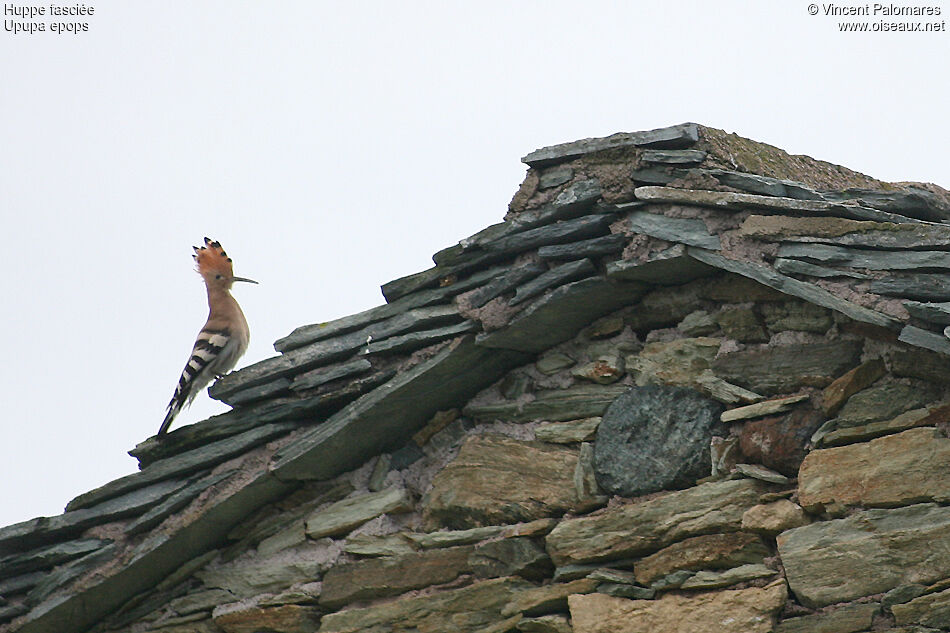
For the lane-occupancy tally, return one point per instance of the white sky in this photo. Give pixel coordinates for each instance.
(334, 146)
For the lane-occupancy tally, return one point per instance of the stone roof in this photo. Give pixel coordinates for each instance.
(596, 225)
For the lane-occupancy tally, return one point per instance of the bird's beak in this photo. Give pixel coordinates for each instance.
(250, 281)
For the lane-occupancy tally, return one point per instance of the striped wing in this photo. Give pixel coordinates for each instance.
(211, 352)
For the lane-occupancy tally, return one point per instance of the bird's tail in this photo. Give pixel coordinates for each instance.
(183, 396)
(173, 408)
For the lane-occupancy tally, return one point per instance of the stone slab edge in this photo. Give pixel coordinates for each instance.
(736, 201)
(156, 558)
(675, 136)
(394, 411)
(669, 267)
(788, 285)
(920, 337)
(560, 314)
(183, 464)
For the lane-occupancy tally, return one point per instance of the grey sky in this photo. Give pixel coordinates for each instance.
(334, 146)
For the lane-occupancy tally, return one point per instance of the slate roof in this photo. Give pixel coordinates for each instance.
(596, 224)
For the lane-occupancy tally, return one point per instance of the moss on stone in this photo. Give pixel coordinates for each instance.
(734, 152)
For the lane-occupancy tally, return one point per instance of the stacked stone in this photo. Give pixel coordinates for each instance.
(665, 387)
(499, 512)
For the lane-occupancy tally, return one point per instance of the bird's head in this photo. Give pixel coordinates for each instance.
(215, 267)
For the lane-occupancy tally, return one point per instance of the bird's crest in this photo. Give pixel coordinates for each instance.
(212, 259)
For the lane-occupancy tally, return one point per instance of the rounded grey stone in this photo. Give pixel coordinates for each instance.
(654, 438)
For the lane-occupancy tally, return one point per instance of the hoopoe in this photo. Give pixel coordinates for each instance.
(222, 340)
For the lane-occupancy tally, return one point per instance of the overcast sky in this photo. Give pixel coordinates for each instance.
(334, 146)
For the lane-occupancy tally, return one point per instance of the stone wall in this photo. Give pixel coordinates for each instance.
(719, 456)
(690, 383)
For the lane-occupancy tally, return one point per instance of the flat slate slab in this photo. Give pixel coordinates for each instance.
(306, 334)
(918, 286)
(385, 417)
(181, 465)
(47, 557)
(937, 312)
(647, 526)
(175, 502)
(272, 389)
(760, 409)
(925, 338)
(35, 532)
(437, 275)
(460, 610)
(910, 201)
(787, 368)
(871, 430)
(416, 340)
(580, 195)
(785, 228)
(579, 401)
(595, 247)
(505, 283)
(323, 375)
(846, 232)
(568, 432)
(932, 610)
(560, 314)
(706, 579)
(849, 618)
(889, 471)
(584, 227)
(185, 438)
(869, 552)
(392, 575)
(555, 177)
(332, 350)
(682, 230)
(68, 572)
(740, 201)
(673, 156)
(803, 290)
(796, 267)
(17, 584)
(750, 610)
(672, 266)
(347, 514)
(557, 276)
(764, 185)
(674, 137)
(510, 241)
(148, 564)
(658, 174)
(573, 202)
(707, 551)
(866, 258)
(497, 480)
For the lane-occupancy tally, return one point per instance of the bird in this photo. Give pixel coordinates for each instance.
(223, 339)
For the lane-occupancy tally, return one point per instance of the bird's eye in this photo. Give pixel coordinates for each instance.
(218, 277)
